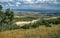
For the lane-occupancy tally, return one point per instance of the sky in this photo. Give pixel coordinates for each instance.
(31, 4)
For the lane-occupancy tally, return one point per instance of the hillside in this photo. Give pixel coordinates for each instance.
(40, 32)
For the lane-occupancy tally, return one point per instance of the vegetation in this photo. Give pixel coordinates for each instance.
(54, 21)
(6, 23)
(6, 20)
(46, 23)
(25, 18)
(36, 24)
(6, 17)
(41, 22)
(40, 32)
(26, 26)
(8, 27)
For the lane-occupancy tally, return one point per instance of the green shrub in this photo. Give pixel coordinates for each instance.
(9, 27)
(54, 21)
(26, 26)
(39, 22)
(34, 25)
(45, 22)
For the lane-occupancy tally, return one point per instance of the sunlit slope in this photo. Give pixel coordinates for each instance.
(40, 32)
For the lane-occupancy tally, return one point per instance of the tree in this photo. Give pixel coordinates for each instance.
(9, 16)
(6, 17)
(0, 11)
(1, 15)
(0, 7)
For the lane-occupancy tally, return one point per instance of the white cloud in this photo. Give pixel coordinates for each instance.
(9, 4)
(38, 1)
(11, 0)
(4, 0)
(46, 1)
(29, 1)
(32, 3)
(18, 3)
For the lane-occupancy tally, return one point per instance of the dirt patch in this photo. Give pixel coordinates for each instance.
(21, 23)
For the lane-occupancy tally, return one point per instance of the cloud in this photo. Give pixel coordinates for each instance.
(33, 4)
(29, 1)
(9, 4)
(32, 1)
(6, 0)
(18, 3)
(11, 0)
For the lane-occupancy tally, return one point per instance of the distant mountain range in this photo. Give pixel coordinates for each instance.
(31, 12)
(34, 10)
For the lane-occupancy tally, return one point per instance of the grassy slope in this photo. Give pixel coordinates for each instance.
(41, 32)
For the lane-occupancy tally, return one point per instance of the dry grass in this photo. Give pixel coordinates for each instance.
(19, 16)
(50, 18)
(40, 32)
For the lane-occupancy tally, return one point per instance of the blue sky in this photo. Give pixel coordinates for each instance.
(31, 4)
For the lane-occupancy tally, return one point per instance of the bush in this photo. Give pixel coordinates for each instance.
(46, 23)
(39, 22)
(26, 26)
(9, 27)
(34, 25)
(54, 21)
